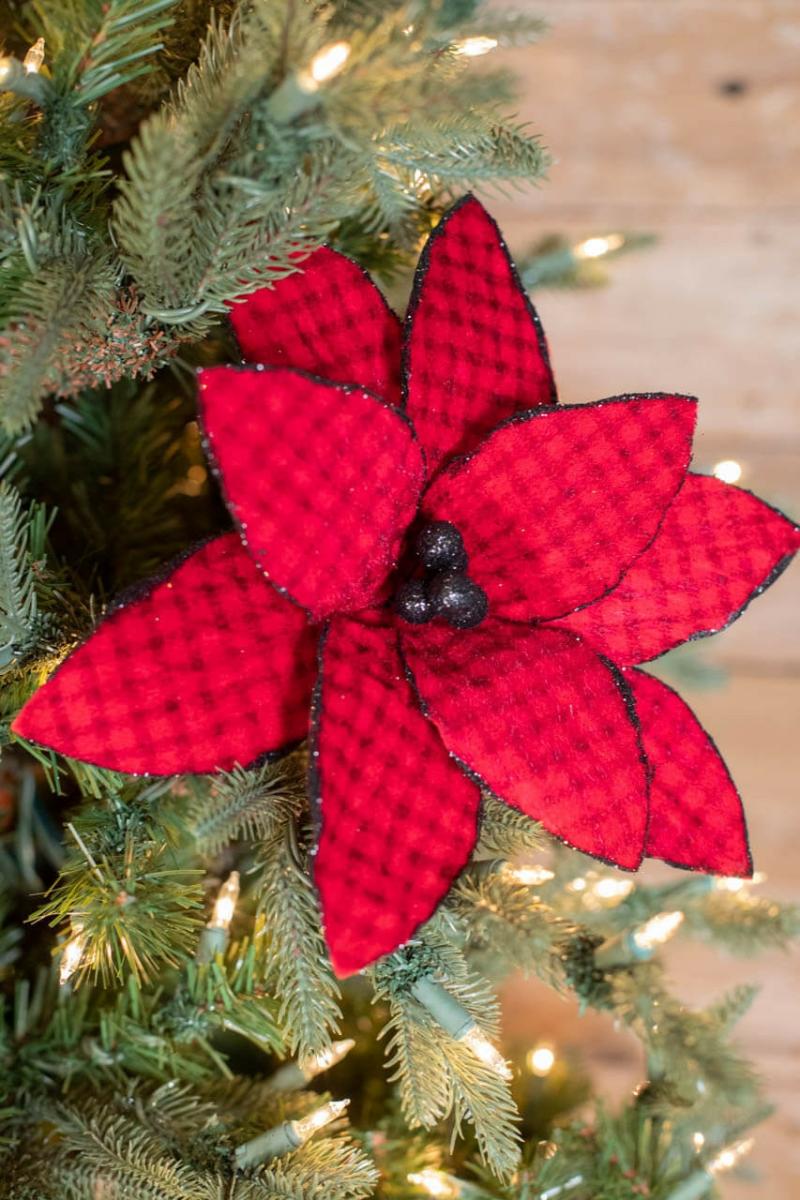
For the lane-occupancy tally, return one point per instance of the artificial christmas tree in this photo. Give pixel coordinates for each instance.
(455, 577)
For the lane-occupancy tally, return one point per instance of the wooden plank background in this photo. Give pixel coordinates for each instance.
(682, 118)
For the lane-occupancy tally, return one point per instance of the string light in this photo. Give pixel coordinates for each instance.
(732, 883)
(33, 60)
(728, 470)
(294, 1075)
(610, 888)
(214, 938)
(288, 1136)
(325, 64)
(529, 876)
(657, 930)
(698, 1140)
(474, 47)
(541, 1059)
(225, 903)
(596, 247)
(578, 884)
(462, 1027)
(727, 1159)
(435, 1183)
(625, 948)
(72, 954)
(484, 1050)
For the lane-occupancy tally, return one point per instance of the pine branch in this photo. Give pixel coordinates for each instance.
(19, 610)
(295, 960)
(255, 804)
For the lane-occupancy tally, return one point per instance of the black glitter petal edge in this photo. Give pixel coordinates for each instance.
(748, 850)
(420, 275)
(316, 801)
(125, 599)
(484, 786)
(219, 474)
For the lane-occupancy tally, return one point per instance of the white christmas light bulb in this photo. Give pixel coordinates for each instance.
(435, 1183)
(72, 954)
(541, 1060)
(306, 1127)
(610, 888)
(474, 47)
(33, 60)
(225, 903)
(328, 62)
(317, 1063)
(727, 1159)
(728, 470)
(530, 876)
(483, 1049)
(657, 930)
(596, 247)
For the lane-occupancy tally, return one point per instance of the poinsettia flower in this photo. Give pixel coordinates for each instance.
(457, 577)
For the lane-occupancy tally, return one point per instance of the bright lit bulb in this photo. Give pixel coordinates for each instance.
(610, 888)
(541, 1060)
(730, 1156)
(657, 930)
(698, 1140)
(483, 1049)
(728, 470)
(733, 884)
(72, 954)
(577, 885)
(328, 62)
(435, 1183)
(225, 903)
(474, 47)
(306, 1127)
(596, 247)
(32, 62)
(326, 1059)
(530, 876)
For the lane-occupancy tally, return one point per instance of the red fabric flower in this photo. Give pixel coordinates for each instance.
(586, 538)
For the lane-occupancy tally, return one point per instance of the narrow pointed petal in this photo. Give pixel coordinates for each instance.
(544, 723)
(208, 669)
(322, 480)
(555, 504)
(329, 319)
(718, 548)
(399, 818)
(475, 352)
(696, 814)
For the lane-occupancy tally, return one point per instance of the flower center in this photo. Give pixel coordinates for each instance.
(446, 590)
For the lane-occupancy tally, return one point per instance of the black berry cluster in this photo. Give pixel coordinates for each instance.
(447, 591)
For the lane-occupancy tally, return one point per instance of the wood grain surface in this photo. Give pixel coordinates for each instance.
(682, 118)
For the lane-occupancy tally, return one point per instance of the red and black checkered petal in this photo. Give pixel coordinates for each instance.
(474, 350)
(545, 723)
(399, 819)
(330, 319)
(208, 668)
(696, 815)
(556, 503)
(323, 480)
(717, 549)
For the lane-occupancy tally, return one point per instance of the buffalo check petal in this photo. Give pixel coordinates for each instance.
(398, 817)
(718, 547)
(329, 319)
(696, 815)
(322, 479)
(474, 350)
(545, 724)
(556, 503)
(208, 669)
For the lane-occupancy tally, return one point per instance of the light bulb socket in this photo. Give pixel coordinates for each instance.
(213, 941)
(444, 1008)
(272, 1144)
